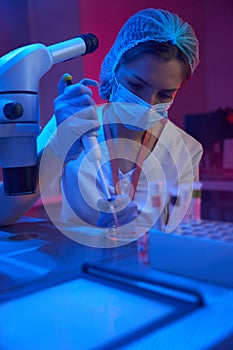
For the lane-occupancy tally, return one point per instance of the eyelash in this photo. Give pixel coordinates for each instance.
(136, 86)
(164, 96)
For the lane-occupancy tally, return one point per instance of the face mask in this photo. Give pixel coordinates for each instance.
(134, 112)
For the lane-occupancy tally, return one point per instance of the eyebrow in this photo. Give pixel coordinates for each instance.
(140, 79)
(147, 84)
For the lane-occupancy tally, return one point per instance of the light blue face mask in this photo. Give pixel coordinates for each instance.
(134, 112)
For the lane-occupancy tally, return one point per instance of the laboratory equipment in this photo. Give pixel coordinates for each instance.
(195, 205)
(93, 152)
(20, 73)
(202, 250)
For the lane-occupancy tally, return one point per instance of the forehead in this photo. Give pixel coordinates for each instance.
(153, 70)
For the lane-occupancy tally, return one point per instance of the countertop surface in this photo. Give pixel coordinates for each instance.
(36, 256)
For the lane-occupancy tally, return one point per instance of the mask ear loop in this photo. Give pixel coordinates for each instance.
(116, 84)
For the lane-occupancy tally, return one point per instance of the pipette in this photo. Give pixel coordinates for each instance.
(93, 152)
(94, 155)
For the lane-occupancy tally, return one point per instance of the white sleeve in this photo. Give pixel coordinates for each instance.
(46, 133)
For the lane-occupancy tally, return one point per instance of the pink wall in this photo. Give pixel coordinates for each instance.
(210, 87)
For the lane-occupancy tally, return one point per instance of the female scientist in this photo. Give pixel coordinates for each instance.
(154, 55)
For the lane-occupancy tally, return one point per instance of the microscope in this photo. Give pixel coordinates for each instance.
(20, 73)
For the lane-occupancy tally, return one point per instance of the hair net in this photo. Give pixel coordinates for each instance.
(146, 25)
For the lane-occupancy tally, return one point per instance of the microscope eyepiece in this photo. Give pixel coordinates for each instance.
(91, 42)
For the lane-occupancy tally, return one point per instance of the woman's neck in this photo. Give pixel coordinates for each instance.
(127, 151)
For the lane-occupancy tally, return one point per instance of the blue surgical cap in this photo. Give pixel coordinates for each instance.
(148, 25)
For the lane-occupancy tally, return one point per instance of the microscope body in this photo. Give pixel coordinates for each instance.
(20, 74)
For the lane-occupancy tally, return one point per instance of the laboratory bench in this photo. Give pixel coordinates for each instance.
(56, 293)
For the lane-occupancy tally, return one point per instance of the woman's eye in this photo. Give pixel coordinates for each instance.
(135, 86)
(164, 96)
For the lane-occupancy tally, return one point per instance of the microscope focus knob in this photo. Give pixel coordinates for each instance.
(13, 110)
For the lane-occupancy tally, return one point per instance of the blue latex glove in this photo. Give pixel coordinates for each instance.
(126, 211)
(76, 115)
(73, 98)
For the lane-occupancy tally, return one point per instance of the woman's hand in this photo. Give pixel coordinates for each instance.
(76, 115)
(125, 209)
(74, 98)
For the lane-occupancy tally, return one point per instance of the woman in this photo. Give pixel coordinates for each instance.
(154, 55)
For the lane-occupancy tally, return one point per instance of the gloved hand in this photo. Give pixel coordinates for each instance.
(126, 211)
(76, 115)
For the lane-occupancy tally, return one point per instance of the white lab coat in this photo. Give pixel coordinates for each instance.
(174, 160)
